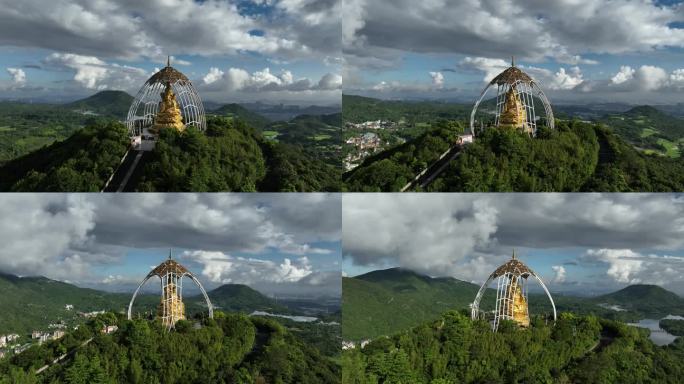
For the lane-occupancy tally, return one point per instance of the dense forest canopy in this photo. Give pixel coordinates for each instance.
(231, 349)
(229, 156)
(455, 349)
(574, 157)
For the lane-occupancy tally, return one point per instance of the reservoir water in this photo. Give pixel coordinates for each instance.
(658, 335)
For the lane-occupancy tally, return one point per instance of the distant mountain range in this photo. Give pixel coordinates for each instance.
(384, 302)
(30, 303)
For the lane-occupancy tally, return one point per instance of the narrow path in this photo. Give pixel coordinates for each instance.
(64, 356)
(130, 171)
(435, 169)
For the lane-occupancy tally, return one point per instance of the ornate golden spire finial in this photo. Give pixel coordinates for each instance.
(513, 254)
(170, 249)
(168, 60)
(512, 61)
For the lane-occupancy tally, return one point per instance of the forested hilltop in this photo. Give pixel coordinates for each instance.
(576, 156)
(231, 349)
(229, 156)
(455, 349)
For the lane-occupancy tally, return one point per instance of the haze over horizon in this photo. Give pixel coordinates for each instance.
(595, 243)
(580, 51)
(284, 51)
(273, 243)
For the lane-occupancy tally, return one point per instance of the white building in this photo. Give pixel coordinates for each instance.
(69, 307)
(109, 329)
(3, 341)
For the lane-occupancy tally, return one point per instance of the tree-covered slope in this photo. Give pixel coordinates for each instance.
(455, 349)
(241, 298)
(574, 157)
(81, 163)
(229, 156)
(230, 348)
(320, 136)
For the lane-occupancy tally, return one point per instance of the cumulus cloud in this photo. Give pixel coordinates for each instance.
(437, 79)
(562, 30)
(93, 73)
(67, 236)
(466, 235)
(491, 67)
(559, 273)
(630, 267)
(133, 29)
(222, 268)
(238, 79)
(18, 75)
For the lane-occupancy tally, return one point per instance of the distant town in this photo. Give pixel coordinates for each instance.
(12, 344)
(363, 142)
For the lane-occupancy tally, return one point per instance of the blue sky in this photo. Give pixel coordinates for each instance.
(579, 243)
(234, 51)
(287, 244)
(577, 50)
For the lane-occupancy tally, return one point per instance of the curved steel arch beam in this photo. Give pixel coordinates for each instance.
(476, 304)
(204, 293)
(130, 305)
(477, 104)
(547, 106)
(547, 294)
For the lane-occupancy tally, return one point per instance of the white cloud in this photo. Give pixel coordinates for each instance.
(222, 268)
(437, 79)
(630, 267)
(131, 29)
(491, 67)
(238, 79)
(566, 80)
(18, 75)
(625, 73)
(93, 73)
(559, 273)
(453, 235)
(213, 75)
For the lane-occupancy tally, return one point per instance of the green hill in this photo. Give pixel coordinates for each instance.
(649, 299)
(241, 298)
(320, 136)
(650, 129)
(229, 156)
(227, 349)
(387, 301)
(575, 157)
(455, 349)
(107, 103)
(34, 302)
(239, 112)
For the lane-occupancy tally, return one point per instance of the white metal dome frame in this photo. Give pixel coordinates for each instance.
(512, 273)
(144, 108)
(526, 90)
(170, 273)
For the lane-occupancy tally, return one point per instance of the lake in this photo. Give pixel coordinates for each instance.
(299, 319)
(658, 335)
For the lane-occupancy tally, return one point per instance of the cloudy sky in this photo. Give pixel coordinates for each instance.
(578, 243)
(580, 50)
(232, 50)
(284, 243)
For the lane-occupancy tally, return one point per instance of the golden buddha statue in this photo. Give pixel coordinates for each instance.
(169, 114)
(519, 309)
(513, 114)
(174, 306)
